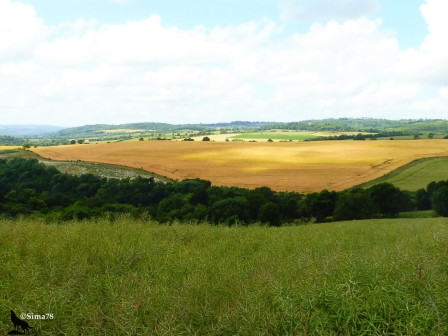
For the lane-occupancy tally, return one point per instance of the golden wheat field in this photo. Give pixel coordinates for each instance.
(9, 147)
(298, 166)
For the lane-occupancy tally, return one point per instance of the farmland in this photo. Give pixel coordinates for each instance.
(5, 148)
(134, 277)
(303, 167)
(416, 175)
(288, 135)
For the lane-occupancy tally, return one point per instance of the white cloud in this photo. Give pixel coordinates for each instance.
(429, 63)
(84, 72)
(20, 29)
(310, 10)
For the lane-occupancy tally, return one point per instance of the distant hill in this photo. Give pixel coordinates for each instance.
(28, 130)
(96, 130)
(103, 131)
(99, 130)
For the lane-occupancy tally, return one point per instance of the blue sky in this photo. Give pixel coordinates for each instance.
(76, 62)
(401, 16)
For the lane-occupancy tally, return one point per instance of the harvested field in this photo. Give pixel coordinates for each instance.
(299, 166)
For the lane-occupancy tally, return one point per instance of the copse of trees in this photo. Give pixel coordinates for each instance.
(28, 187)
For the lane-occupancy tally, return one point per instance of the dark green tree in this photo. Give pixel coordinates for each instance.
(270, 213)
(355, 204)
(389, 200)
(422, 199)
(439, 201)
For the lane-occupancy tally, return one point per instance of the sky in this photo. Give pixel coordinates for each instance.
(78, 62)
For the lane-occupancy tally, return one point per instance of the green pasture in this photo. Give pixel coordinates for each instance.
(415, 175)
(135, 277)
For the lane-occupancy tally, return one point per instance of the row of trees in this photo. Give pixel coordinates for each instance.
(367, 125)
(28, 187)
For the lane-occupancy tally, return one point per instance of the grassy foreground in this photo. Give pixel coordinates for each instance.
(383, 277)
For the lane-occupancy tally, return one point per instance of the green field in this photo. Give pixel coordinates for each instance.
(293, 136)
(415, 175)
(383, 277)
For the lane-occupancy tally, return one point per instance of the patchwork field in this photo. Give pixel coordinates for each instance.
(299, 166)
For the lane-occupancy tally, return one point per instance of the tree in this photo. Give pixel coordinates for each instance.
(81, 141)
(423, 200)
(319, 205)
(388, 199)
(353, 205)
(270, 213)
(196, 188)
(170, 208)
(270, 140)
(359, 136)
(430, 135)
(439, 201)
(230, 210)
(206, 138)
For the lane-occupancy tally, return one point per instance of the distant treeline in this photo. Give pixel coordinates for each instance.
(359, 136)
(28, 187)
(367, 125)
(7, 140)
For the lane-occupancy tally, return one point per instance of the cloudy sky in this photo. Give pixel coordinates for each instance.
(77, 62)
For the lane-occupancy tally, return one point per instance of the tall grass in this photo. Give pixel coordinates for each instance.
(384, 277)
